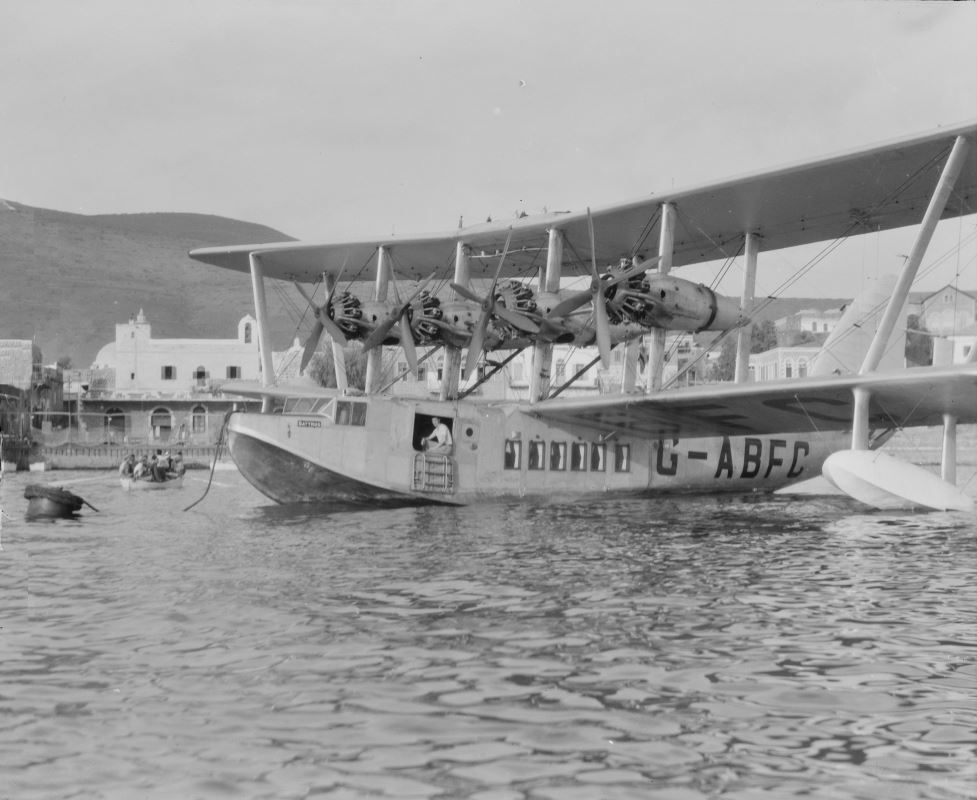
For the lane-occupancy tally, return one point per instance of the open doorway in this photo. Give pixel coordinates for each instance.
(424, 427)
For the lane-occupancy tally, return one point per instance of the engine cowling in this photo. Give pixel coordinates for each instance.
(678, 304)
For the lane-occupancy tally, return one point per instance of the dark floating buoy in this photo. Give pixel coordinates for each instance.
(53, 502)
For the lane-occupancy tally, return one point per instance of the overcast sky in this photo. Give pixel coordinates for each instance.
(337, 120)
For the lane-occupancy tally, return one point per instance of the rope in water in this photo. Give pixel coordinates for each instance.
(217, 455)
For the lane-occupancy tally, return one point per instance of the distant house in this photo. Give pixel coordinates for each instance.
(782, 362)
(31, 398)
(141, 363)
(145, 391)
(513, 380)
(683, 357)
(17, 360)
(809, 320)
(949, 311)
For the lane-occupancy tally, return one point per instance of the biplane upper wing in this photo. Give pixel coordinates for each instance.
(873, 188)
(907, 398)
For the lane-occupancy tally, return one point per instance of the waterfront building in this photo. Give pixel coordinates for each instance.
(782, 362)
(29, 394)
(949, 312)
(146, 391)
(809, 320)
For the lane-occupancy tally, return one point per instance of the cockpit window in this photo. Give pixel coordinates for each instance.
(350, 413)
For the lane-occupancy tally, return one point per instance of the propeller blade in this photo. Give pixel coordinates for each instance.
(468, 294)
(311, 345)
(475, 345)
(407, 342)
(603, 330)
(334, 331)
(647, 264)
(406, 334)
(516, 320)
(600, 302)
(383, 328)
(570, 304)
(379, 333)
(488, 304)
(321, 314)
(631, 272)
(498, 271)
(420, 288)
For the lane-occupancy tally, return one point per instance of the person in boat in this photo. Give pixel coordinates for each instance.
(141, 469)
(127, 466)
(178, 467)
(157, 469)
(439, 440)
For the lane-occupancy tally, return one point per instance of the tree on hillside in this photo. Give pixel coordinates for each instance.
(800, 338)
(763, 337)
(724, 367)
(919, 346)
(323, 371)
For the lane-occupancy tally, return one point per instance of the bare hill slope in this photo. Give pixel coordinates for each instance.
(68, 279)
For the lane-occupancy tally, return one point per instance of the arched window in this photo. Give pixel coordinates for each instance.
(115, 425)
(198, 419)
(247, 333)
(161, 422)
(200, 376)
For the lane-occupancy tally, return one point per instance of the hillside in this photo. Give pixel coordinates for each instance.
(68, 279)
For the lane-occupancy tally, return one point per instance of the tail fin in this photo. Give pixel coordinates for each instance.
(845, 348)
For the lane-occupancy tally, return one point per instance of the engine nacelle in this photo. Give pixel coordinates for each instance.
(346, 311)
(678, 304)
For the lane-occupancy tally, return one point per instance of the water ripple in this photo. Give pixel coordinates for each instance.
(681, 648)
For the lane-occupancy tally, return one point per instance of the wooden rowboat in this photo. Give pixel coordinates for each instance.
(139, 484)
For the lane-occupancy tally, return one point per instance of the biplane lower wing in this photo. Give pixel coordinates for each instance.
(908, 398)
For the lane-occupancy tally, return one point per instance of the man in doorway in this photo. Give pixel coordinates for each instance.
(439, 440)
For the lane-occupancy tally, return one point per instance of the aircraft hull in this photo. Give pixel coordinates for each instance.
(289, 478)
(374, 458)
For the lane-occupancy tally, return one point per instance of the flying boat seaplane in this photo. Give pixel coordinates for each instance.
(500, 287)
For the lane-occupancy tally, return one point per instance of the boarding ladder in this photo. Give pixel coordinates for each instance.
(434, 472)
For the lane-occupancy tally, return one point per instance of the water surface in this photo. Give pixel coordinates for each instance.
(675, 648)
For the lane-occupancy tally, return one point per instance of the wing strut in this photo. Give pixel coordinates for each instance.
(666, 245)
(934, 211)
(539, 385)
(452, 353)
(264, 335)
(876, 478)
(374, 357)
(744, 334)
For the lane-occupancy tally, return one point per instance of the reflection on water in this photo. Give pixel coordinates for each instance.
(680, 648)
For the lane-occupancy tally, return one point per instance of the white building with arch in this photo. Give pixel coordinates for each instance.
(142, 364)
